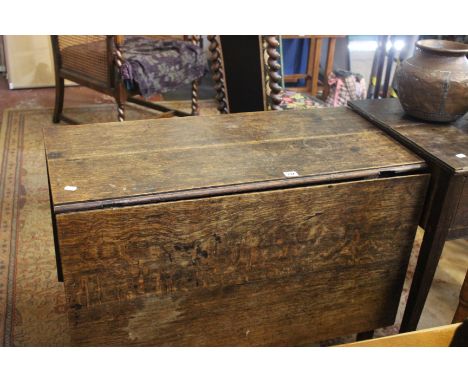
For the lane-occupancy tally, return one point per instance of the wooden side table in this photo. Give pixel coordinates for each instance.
(445, 148)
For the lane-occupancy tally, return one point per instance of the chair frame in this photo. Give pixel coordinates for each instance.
(311, 77)
(269, 61)
(115, 87)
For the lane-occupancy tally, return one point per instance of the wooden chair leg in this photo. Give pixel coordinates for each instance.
(218, 73)
(59, 96)
(328, 66)
(121, 94)
(120, 111)
(195, 106)
(317, 50)
(120, 99)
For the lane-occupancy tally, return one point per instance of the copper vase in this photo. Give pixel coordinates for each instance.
(433, 84)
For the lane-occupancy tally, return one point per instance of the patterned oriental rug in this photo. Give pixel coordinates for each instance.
(32, 301)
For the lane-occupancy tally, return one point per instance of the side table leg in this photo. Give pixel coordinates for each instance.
(444, 205)
(462, 310)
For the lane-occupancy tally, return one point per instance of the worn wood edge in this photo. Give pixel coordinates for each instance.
(101, 125)
(171, 196)
(439, 337)
(53, 219)
(460, 200)
(457, 233)
(354, 105)
(53, 159)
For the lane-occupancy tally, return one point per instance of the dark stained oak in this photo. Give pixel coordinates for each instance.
(105, 161)
(284, 267)
(445, 216)
(440, 142)
(187, 231)
(462, 310)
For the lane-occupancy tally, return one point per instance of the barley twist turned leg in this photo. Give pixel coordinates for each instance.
(218, 74)
(121, 112)
(120, 95)
(195, 107)
(274, 71)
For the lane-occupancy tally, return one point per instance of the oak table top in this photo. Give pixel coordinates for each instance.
(92, 166)
(445, 144)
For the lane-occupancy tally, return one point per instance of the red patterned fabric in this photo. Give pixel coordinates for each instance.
(345, 86)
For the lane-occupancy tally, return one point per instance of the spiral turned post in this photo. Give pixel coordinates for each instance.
(218, 74)
(274, 72)
(118, 41)
(195, 107)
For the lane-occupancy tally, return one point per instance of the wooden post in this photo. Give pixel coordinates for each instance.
(195, 107)
(314, 64)
(329, 65)
(274, 72)
(120, 93)
(218, 74)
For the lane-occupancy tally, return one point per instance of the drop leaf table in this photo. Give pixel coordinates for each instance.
(266, 228)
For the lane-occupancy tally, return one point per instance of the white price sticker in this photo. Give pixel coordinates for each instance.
(290, 174)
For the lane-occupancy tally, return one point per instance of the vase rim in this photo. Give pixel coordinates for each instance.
(443, 46)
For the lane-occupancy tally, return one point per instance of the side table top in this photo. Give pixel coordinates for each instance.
(444, 143)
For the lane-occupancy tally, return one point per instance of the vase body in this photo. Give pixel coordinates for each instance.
(433, 84)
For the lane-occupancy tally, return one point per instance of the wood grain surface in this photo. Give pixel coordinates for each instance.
(112, 161)
(439, 142)
(443, 145)
(285, 267)
(460, 219)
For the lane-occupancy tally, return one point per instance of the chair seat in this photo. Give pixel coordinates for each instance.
(150, 66)
(159, 66)
(294, 100)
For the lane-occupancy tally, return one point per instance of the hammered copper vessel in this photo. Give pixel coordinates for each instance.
(433, 84)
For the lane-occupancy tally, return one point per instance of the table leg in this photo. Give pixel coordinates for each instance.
(462, 310)
(443, 207)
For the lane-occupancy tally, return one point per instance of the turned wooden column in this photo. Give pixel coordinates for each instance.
(195, 107)
(274, 71)
(218, 73)
(242, 66)
(120, 93)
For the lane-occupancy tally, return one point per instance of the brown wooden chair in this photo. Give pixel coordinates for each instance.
(311, 77)
(96, 65)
